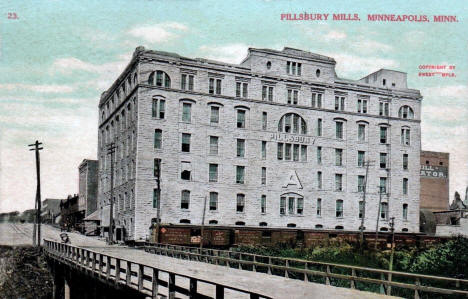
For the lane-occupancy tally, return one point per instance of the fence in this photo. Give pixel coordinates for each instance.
(135, 275)
(362, 278)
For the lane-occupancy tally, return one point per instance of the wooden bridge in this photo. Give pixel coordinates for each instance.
(121, 272)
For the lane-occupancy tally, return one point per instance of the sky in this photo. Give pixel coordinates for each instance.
(57, 57)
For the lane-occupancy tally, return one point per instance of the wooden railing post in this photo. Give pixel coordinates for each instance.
(382, 286)
(155, 283)
(269, 265)
(254, 267)
(101, 263)
(286, 274)
(108, 267)
(353, 282)
(117, 271)
(306, 267)
(93, 264)
(140, 277)
(416, 291)
(171, 286)
(128, 273)
(193, 288)
(389, 287)
(327, 278)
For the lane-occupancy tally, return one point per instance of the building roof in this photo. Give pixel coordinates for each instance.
(94, 216)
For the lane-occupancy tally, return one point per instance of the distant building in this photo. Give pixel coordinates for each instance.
(88, 186)
(71, 216)
(50, 210)
(434, 181)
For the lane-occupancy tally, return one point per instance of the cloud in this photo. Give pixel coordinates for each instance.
(232, 53)
(334, 35)
(445, 113)
(450, 91)
(158, 33)
(46, 88)
(370, 46)
(352, 65)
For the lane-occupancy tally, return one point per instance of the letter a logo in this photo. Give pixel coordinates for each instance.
(292, 179)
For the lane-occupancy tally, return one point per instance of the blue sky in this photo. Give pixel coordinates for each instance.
(58, 56)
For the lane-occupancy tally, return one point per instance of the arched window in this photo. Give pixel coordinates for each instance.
(291, 225)
(291, 204)
(404, 229)
(406, 112)
(185, 199)
(184, 221)
(292, 123)
(384, 229)
(159, 78)
(263, 224)
(339, 227)
(240, 223)
(213, 222)
(319, 226)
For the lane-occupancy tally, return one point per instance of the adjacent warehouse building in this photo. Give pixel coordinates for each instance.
(434, 181)
(278, 141)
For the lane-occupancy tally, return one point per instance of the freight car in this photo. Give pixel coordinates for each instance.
(226, 236)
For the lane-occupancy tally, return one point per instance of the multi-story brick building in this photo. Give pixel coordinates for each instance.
(434, 181)
(279, 140)
(88, 186)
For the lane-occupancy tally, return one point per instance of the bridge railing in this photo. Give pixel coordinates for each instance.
(143, 278)
(370, 279)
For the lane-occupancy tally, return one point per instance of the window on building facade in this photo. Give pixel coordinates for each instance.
(405, 211)
(295, 152)
(267, 93)
(339, 209)
(383, 160)
(361, 132)
(157, 139)
(186, 112)
(213, 222)
(156, 167)
(383, 135)
(159, 108)
(280, 151)
(383, 185)
(214, 145)
(361, 158)
(186, 142)
(292, 123)
(241, 90)
(185, 199)
(362, 106)
(263, 204)
(213, 201)
(319, 180)
(214, 115)
(264, 176)
(186, 82)
(406, 112)
(292, 152)
(319, 127)
(295, 204)
(338, 157)
(213, 172)
(293, 68)
(384, 109)
(287, 151)
(405, 186)
(361, 209)
(405, 161)
(319, 207)
(186, 171)
(240, 206)
(282, 205)
(159, 78)
(361, 183)
(156, 196)
(384, 210)
(339, 103)
(264, 121)
(240, 118)
(319, 155)
(303, 152)
(240, 148)
(293, 96)
(405, 136)
(316, 101)
(214, 86)
(264, 146)
(240, 172)
(338, 182)
(339, 129)
(300, 206)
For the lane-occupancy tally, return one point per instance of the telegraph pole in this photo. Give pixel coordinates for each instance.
(110, 151)
(361, 228)
(378, 217)
(37, 147)
(202, 225)
(158, 192)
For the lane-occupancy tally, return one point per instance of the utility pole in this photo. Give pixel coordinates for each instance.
(390, 266)
(202, 225)
(37, 148)
(110, 151)
(361, 228)
(378, 218)
(158, 203)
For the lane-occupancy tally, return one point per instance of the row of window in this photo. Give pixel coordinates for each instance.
(290, 204)
(119, 95)
(162, 79)
(288, 123)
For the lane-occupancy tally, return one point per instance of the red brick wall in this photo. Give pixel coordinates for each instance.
(434, 190)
